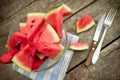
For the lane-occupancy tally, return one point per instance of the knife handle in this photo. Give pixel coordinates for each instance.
(90, 55)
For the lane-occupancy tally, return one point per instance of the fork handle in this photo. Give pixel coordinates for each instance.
(97, 51)
(90, 55)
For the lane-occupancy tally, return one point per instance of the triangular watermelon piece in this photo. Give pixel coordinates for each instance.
(48, 35)
(50, 50)
(25, 57)
(55, 19)
(34, 23)
(84, 23)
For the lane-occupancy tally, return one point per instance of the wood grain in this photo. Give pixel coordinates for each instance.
(107, 67)
(11, 7)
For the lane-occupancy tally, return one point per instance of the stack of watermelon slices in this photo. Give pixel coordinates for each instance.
(38, 39)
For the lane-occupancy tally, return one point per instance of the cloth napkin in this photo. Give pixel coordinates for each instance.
(58, 71)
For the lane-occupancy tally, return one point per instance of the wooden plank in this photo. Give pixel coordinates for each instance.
(10, 7)
(96, 10)
(107, 67)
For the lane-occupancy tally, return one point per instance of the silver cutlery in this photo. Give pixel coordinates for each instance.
(107, 24)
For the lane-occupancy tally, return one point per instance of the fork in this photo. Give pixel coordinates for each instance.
(107, 24)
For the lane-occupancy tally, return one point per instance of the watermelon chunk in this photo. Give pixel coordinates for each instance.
(37, 63)
(48, 35)
(55, 19)
(84, 23)
(79, 46)
(23, 28)
(50, 50)
(25, 57)
(34, 23)
(7, 56)
(15, 40)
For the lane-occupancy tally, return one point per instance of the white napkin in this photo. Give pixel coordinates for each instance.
(58, 71)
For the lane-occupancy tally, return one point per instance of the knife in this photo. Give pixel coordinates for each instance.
(95, 40)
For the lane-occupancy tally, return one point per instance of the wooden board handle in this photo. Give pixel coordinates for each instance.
(90, 55)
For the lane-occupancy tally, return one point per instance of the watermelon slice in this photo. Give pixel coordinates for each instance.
(48, 35)
(23, 28)
(55, 19)
(37, 63)
(25, 57)
(34, 23)
(15, 40)
(84, 23)
(79, 46)
(50, 50)
(7, 56)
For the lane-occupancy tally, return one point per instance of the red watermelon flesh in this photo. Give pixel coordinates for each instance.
(55, 19)
(25, 57)
(49, 35)
(23, 28)
(50, 50)
(7, 56)
(79, 46)
(85, 23)
(37, 36)
(37, 63)
(34, 23)
(15, 40)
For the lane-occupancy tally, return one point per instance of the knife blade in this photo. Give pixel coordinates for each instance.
(95, 40)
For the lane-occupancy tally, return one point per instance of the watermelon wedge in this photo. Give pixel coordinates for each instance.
(84, 23)
(34, 23)
(55, 19)
(50, 50)
(15, 40)
(7, 56)
(23, 28)
(48, 35)
(25, 57)
(37, 63)
(79, 46)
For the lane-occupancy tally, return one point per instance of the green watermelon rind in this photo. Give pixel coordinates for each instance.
(79, 48)
(92, 23)
(22, 24)
(68, 8)
(36, 14)
(82, 48)
(17, 62)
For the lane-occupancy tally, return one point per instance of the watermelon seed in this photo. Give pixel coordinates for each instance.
(27, 51)
(33, 21)
(31, 26)
(46, 45)
(30, 55)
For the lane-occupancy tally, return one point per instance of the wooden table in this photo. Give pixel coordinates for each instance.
(108, 66)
